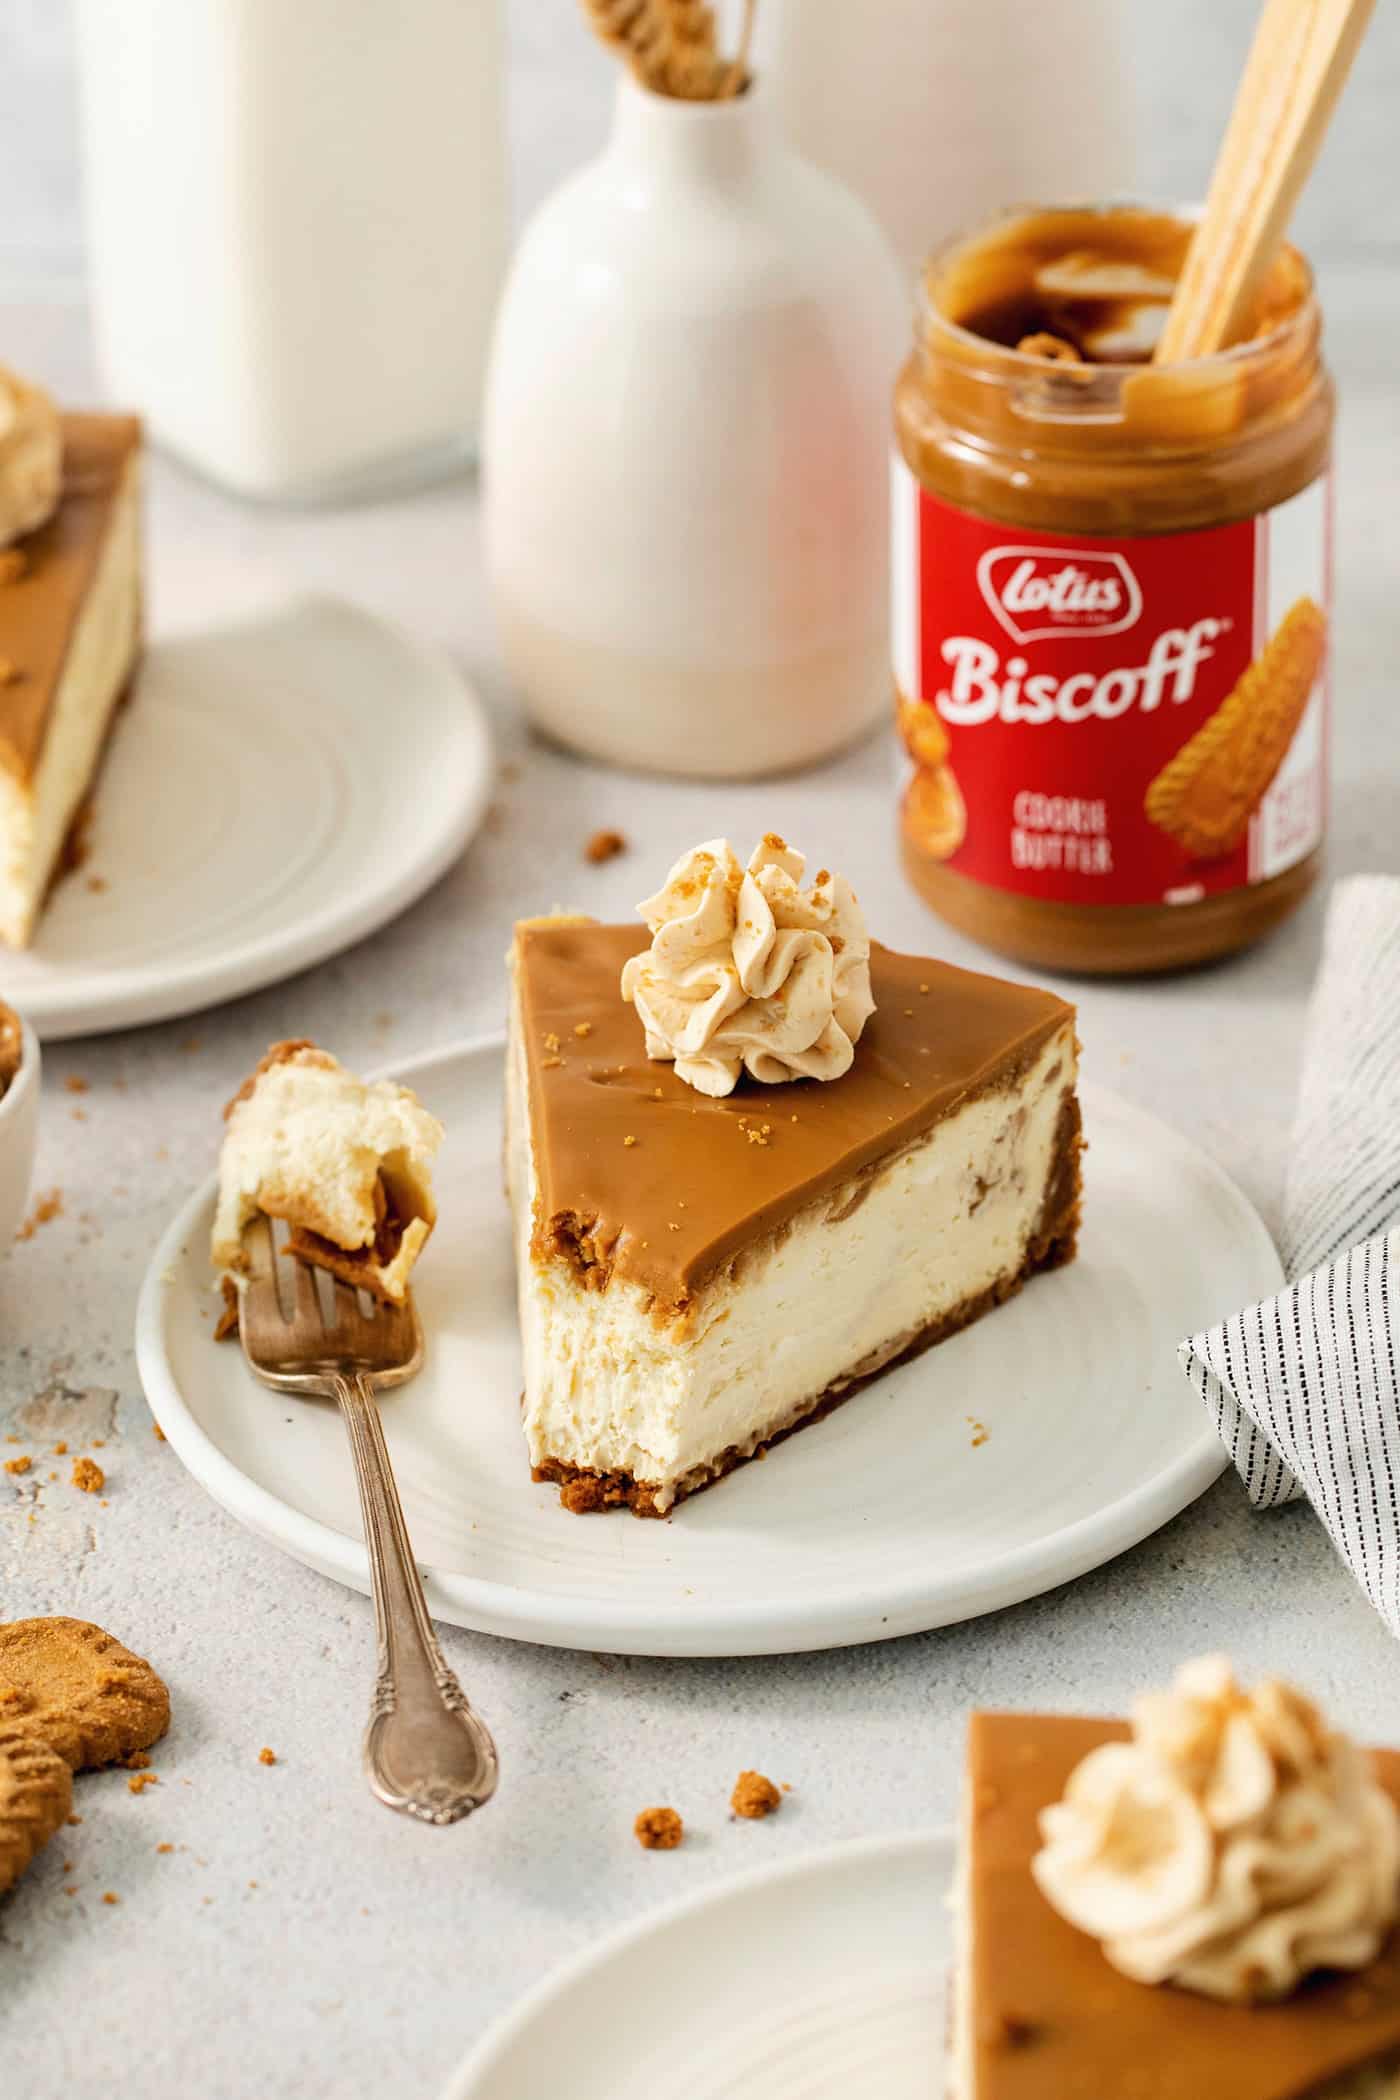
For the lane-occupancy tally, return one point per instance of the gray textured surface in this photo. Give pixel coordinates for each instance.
(1184, 60)
(370, 1953)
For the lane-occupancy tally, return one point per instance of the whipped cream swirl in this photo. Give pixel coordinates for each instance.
(749, 971)
(1234, 1845)
(31, 457)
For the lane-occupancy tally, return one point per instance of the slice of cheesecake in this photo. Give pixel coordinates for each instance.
(70, 636)
(1038, 2009)
(698, 1275)
(348, 1166)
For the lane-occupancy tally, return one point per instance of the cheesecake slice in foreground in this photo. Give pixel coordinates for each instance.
(1244, 1873)
(701, 1274)
(348, 1166)
(70, 636)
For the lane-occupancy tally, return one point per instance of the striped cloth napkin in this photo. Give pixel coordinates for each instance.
(1305, 1389)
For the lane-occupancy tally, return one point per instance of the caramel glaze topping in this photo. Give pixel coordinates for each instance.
(644, 1178)
(41, 603)
(1052, 2016)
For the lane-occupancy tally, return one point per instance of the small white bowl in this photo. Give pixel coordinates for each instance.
(19, 1130)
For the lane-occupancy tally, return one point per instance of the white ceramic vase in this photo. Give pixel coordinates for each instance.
(685, 448)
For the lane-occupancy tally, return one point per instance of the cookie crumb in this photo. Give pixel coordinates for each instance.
(18, 1465)
(1013, 2032)
(44, 1212)
(165, 1848)
(754, 1796)
(88, 1476)
(266, 1756)
(659, 1829)
(109, 1897)
(225, 1325)
(157, 1432)
(76, 1084)
(583, 1029)
(604, 845)
(139, 1781)
(60, 1450)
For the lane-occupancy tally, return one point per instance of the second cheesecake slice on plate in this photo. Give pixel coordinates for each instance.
(702, 1273)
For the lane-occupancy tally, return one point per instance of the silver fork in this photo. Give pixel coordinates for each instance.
(425, 1751)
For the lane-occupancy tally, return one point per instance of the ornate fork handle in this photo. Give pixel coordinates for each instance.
(425, 1751)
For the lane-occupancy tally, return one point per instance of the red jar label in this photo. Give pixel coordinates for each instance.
(1112, 721)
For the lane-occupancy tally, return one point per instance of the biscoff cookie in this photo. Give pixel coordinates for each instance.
(934, 813)
(1205, 796)
(75, 1688)
(36, 1798)
(921, 731)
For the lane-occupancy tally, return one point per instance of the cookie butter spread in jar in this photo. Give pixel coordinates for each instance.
(1111, 584)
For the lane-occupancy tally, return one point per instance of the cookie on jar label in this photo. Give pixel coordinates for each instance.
(920, 731)
(934, 815)
(1206, 795)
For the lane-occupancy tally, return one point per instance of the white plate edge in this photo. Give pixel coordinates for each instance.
(134, 1001)
(1045, 1564)
(506, 2031)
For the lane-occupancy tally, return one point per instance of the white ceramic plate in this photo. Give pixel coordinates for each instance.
(885, 1519)
(813, 1981)
(276, 791)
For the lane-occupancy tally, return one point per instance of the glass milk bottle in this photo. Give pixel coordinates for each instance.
(296, 228)
(940, 112)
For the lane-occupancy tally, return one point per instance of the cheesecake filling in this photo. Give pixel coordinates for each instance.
(37, 813)
(900, 1252)
(347, 1165)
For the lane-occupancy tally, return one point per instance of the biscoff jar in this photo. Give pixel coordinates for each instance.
(1111, 599)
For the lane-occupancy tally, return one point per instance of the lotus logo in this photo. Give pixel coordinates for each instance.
(1037, 594)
